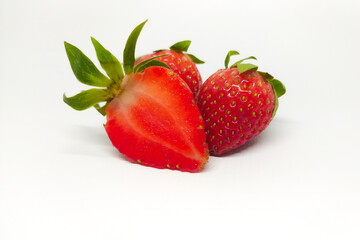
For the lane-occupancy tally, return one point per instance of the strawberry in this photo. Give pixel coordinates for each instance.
(184, 64)
(237, 104)
(152, 116)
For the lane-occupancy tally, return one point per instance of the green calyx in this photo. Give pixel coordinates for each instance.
(150, 62)
(242, 67)
(277, 86)
(183, 46)
(227, 58)
(129, 51)
(108, 86)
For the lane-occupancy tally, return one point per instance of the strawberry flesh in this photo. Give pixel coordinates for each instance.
(155, 121)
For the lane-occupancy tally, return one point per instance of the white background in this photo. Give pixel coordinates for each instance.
(60, 177)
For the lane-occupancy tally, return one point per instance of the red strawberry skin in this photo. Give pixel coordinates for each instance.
(155, 121)
(236, 108)
(182, 65)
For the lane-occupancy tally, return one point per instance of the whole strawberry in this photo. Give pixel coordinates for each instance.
(184, 64)
(152, 116)
(237, 104)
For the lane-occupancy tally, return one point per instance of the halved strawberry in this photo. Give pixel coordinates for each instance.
(182, 63)
(152, 116)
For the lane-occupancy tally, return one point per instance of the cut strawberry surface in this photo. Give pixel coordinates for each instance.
(152, 116)
(149, 112)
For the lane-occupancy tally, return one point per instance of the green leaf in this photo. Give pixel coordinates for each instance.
(86, 99)
(267, 76)
(240, 61)
(195, 59)
(101, 110)
(108, 62)
(84, 69)
(243, 67)
(159, 50)
(151, 63)
(129, 51)
(275, 107)
(227, 58)
(181, 46)
(278, 87)
(279, 90)
(141, 64)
